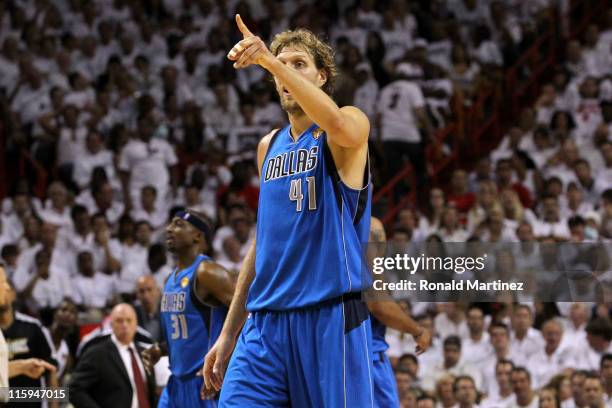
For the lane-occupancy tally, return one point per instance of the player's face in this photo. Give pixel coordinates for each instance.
(179, 234)
(303, 63)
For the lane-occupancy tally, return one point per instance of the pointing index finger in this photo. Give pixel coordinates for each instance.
(243, 28)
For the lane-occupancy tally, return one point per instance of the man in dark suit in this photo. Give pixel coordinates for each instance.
(110, 373)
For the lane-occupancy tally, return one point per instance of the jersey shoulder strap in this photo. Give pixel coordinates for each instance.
(272, 140)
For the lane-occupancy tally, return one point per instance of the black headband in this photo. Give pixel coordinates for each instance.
(196, 222)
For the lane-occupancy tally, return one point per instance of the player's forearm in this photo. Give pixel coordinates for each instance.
(237, 312)
(315, 103)
(392, 315)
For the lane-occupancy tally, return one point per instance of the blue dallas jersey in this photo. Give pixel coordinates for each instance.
(310, 226)
(190, 327)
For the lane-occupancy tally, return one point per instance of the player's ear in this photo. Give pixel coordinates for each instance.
(322, 78)
(196, 237)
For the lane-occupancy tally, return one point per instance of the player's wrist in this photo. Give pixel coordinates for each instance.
(227, 335)
(268, 62)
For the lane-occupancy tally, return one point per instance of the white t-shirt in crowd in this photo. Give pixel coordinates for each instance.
(556, 229)
(523, 350)
(31, 103)
(446, 327)
(51, 291)
(544, 367)
(148, 165)
(396, 104)
(133, 266)
(475, 352)
(71, 145)
(51, 215)
(86, 163)
(95, 291)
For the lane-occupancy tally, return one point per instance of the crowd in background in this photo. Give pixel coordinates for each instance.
(133, 109)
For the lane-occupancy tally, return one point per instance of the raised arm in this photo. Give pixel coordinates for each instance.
(346, 127)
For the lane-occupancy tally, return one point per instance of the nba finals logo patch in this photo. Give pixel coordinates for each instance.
(317, 132)
(184, 282)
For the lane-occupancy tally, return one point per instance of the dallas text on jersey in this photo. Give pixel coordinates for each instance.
(173, 302)
(294, 162)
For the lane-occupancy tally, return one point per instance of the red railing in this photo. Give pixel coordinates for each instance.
(464, 133)
(387, 195)
(483, 121)
(40, 188)
(529, 61)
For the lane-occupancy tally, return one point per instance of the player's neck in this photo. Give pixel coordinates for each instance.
(299, 124)
(183, 260)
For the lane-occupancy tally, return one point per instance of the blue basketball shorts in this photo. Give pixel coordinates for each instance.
(385, 388)
(313, 357)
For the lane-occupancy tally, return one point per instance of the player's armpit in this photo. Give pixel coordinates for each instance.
(214, 283)
(351, 129)
(262, 149)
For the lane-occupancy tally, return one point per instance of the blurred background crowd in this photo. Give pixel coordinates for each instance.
(116, 114)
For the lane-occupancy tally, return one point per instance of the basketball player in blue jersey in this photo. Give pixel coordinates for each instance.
(306, 341)
(193, 308)
(388, 313)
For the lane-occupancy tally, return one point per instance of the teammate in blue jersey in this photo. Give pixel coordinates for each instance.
(193, 308)
(388, 313)
(306, 341)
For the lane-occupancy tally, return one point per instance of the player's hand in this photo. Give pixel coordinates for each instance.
(150, 357)
(250, 50)
(35, 367)
(215, 364)
(423, 341)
